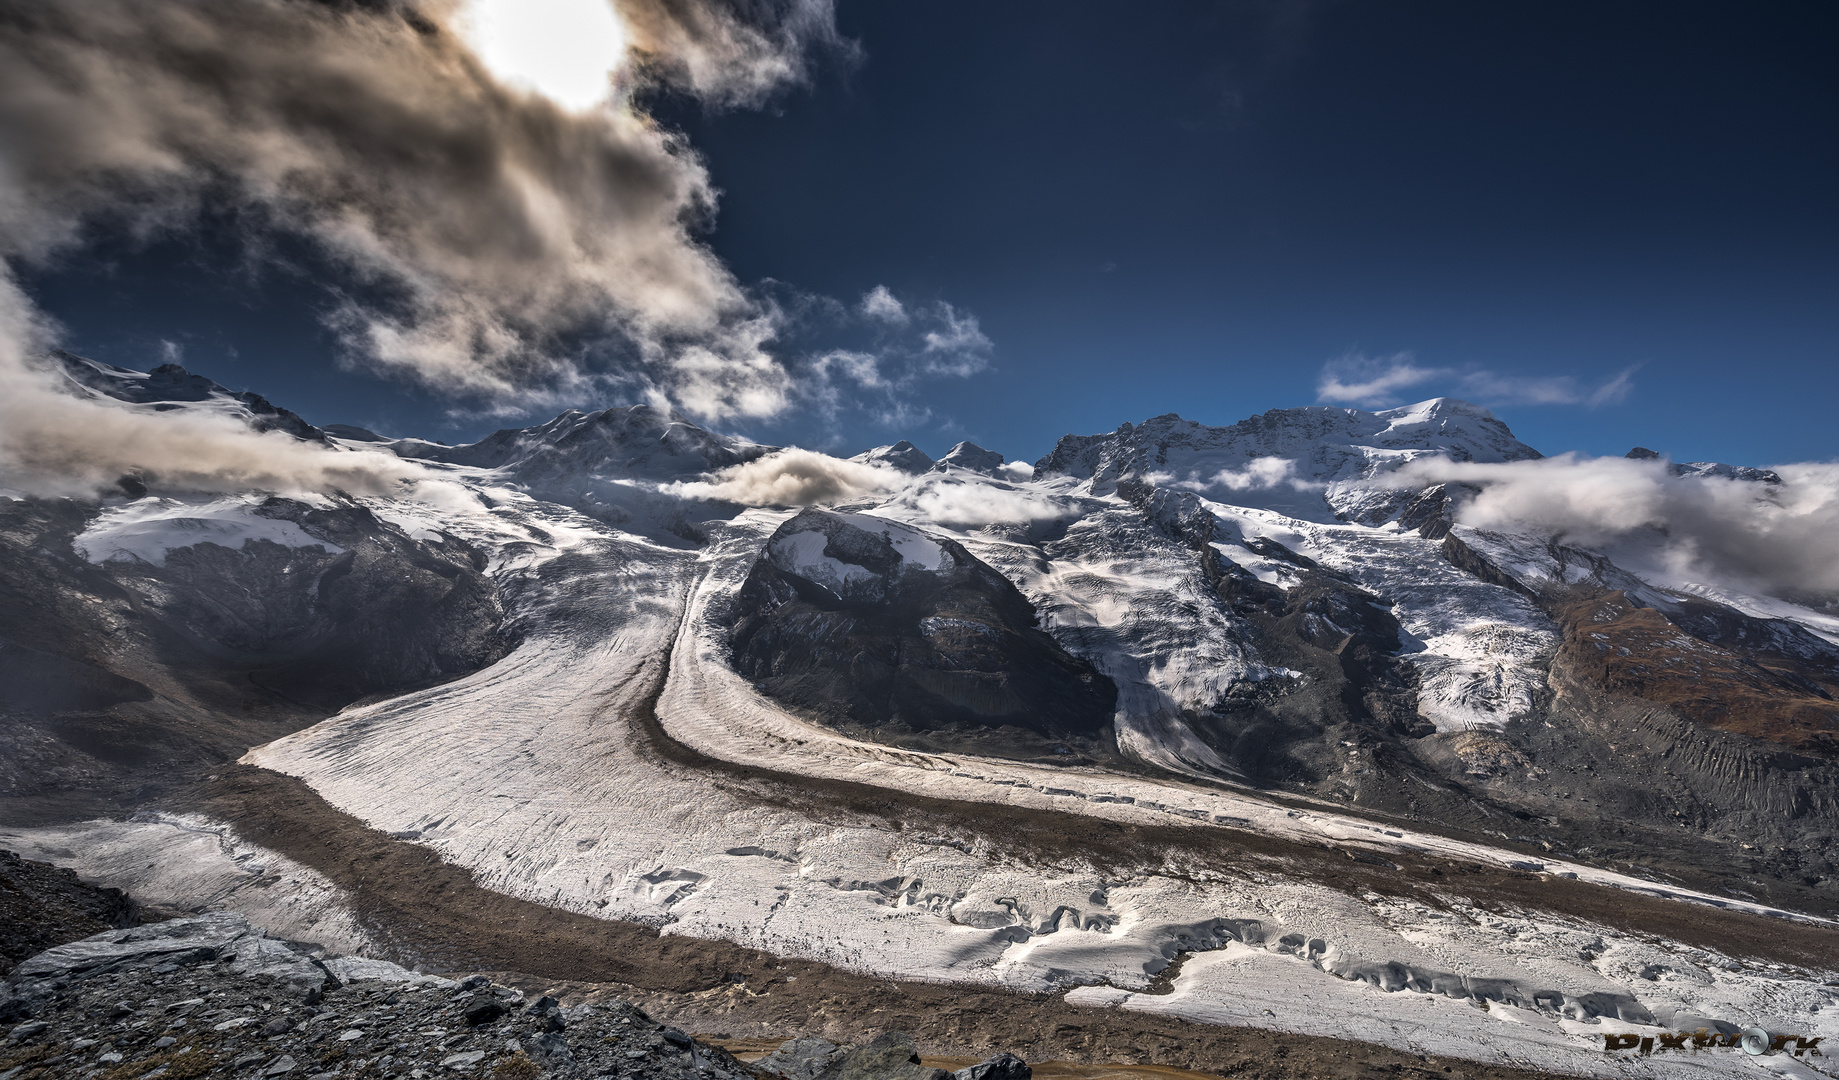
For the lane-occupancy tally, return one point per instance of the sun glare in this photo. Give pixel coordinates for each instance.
(562, 49)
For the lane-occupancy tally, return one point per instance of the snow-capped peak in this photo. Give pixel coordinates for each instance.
(169, 387)
(1284, 459)
(971, 457)
(902, 455)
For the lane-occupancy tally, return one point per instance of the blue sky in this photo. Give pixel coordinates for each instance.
(1611, 223)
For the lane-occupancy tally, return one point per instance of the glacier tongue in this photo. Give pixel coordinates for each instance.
(540, 775)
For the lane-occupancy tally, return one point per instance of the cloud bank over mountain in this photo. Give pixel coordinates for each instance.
(1780, 538)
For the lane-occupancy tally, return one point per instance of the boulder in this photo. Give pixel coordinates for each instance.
(892, 1056)
(1001, 1067)
(799, 1059)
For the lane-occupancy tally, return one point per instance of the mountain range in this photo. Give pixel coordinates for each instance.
(623, 666)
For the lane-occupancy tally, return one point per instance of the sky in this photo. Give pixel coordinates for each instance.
(1612, 224)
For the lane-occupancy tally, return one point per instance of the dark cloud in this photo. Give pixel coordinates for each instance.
(490, 237)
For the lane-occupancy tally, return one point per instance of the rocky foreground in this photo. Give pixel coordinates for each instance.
(213, 996)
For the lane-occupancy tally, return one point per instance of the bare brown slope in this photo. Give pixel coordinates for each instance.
(1637, 651)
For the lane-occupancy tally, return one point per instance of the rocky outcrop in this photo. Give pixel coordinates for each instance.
(114, 664)
(878, 628)
(891, 1056)
(225, 940)
(43, 905)
(214, 997)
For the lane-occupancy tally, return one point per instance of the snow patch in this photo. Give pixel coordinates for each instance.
(147, 529)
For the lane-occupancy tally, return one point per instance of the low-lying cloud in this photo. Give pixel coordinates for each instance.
(1371, 382)
(1781, 538)
(54, 443)
(1258, 474)
(793, 477)
(950, 502)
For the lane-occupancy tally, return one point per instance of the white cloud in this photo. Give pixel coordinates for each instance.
(1380, 381)
(1781, 538)
(793, 477)
(489, 242)
(953, 502)
(482, 239)
(1263, 474)
(1259, 474)
(1613, 392)
(958, 346)
(880, 304)
(1371, 381)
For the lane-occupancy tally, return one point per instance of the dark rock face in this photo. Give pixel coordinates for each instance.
(182, 999)
(325, 628)
(1000, 1067)
(42, 906)
(483, 1009)
(876, 628)
(126, 668)
(1770, 681)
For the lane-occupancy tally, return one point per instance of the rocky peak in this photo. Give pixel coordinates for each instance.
(1305, 462)
(882, 630)
(971, 457)
(903, 455)
(1708, 468)
(633, 442)
(170, 387)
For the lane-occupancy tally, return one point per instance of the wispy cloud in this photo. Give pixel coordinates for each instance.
(1357, 379)
(1380, 381)
(893, 346)
(957, 345)
(881, 305)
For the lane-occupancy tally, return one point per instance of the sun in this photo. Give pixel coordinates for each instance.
(565, 50)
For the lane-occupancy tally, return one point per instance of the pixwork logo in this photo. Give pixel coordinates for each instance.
(1753, 1041)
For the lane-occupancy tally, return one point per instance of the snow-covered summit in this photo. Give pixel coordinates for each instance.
(902, 455)
(1708, 468)
(170, 387)
(968, 455)
(635, 442)
(1299, 461)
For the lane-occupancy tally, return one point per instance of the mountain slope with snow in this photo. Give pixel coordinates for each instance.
(559, 664)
